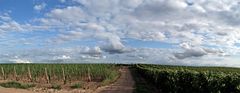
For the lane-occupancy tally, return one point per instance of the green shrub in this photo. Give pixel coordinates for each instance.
(77, 85)
(14, 84)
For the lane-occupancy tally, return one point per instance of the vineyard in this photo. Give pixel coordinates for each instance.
(59, 73)
(183, 79)
(148, 78)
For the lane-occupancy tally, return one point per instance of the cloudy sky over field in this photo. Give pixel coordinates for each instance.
(181, 32)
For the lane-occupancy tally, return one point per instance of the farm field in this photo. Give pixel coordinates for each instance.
(119, 46)
(183, 79)
(118, 78)
(41, 77)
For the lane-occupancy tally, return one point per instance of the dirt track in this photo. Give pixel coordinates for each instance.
(13, 90)
(125, 84)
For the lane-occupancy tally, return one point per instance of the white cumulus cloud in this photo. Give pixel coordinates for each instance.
(39, 7)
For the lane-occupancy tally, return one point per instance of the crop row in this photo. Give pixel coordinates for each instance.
(57, 72)
(183, 80)
(208, 69)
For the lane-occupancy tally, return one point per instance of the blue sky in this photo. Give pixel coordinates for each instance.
(174, 32)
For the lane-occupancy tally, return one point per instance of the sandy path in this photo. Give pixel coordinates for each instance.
(13, 90)
(125, 84)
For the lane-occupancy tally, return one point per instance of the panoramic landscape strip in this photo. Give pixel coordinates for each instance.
(147, 77)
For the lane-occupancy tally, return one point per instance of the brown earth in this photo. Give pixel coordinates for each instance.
(13, 90)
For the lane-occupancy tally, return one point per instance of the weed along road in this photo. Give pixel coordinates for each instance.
(125, 84)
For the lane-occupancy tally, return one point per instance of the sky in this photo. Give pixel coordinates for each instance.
(169, 32)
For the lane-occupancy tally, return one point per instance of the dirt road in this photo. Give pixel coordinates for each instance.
(125, 84)
(13, 90)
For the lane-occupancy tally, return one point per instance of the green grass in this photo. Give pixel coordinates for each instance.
(110, 78)
(14, 84)
(77, 85)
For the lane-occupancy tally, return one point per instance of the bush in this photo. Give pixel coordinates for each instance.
(14, 84)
